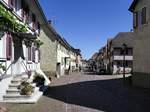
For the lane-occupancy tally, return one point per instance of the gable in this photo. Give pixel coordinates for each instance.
(134, 3)
(123, 37)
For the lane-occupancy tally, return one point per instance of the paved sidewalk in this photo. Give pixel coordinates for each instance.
(88, 93)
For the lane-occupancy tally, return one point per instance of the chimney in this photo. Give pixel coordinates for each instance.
(49, 22)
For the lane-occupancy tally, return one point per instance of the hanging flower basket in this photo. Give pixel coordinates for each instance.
(38, 43)
(28, 43)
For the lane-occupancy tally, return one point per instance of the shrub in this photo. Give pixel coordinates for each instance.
(39, 79)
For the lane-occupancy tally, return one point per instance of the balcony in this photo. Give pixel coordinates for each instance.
(129, 58)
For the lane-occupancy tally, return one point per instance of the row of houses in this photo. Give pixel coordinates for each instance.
(136, 44)
(29, 45)
(111, 57)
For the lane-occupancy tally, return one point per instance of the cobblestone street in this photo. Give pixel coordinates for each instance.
(88, 93)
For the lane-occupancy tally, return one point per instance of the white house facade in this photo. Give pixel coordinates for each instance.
(19, 49)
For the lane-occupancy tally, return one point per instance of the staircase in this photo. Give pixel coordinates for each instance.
(13, 93)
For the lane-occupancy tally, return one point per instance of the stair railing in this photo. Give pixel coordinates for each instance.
(4, 74)
(26, 69)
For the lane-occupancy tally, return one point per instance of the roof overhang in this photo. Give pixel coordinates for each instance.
(133, 5)
(27, 35)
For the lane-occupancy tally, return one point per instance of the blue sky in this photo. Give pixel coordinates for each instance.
(87, 24)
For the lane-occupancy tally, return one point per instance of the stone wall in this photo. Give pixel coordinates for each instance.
(48, 53)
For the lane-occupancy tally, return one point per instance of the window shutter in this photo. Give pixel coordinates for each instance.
(8, 47)
(144, 15)
(39, 55)
(33, 54)
(135, 19)
(29, 53)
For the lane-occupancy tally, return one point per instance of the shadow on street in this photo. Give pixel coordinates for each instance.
(104, 95)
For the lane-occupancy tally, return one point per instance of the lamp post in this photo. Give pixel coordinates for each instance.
(124, 46)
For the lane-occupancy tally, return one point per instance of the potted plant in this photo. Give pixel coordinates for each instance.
(2, 70)
(27, 90)
(23, 84)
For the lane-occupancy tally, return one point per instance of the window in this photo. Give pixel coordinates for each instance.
(11, 3)
(38, 28)
(118, 63)
(139, 18)
(24, 11)
(117, 51)
(33, 21)
(31, 54)
(130, 51)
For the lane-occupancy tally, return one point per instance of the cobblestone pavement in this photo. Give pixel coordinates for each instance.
(88, 93)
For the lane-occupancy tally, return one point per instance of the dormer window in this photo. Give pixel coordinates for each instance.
(139, 18)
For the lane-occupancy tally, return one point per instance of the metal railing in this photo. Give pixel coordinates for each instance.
(7, 68)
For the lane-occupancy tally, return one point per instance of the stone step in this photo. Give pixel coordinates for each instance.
(16, 80)
(17, 91)
(20, 78)
(15, 97)
(32, 99)
(13, 86)
(13, 91)
(16, 85)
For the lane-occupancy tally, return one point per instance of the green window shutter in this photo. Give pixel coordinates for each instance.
(144, 15)
(135, 19)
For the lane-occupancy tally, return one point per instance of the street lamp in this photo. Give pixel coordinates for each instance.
(124, 46)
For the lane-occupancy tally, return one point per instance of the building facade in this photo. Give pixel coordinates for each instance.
(110, 58)
(116, 53)
(48, 50)
(20, 29)
(68, 58)
(141, 28)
